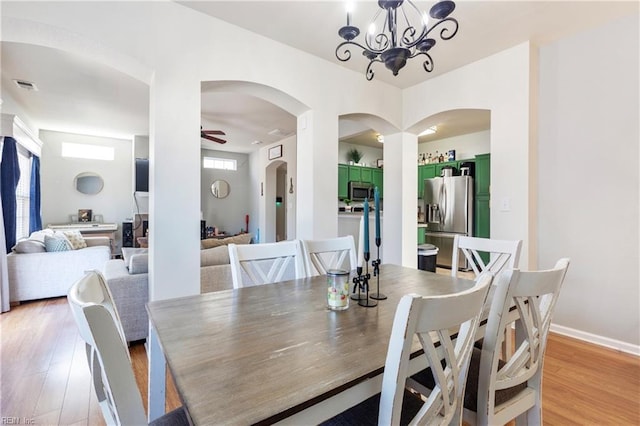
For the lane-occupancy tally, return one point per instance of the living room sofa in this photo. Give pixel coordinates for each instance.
(39, 275)
(128, 281)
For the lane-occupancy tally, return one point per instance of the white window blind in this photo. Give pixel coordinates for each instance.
(22, 195)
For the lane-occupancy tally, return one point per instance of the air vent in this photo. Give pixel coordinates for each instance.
(279, 133)
(26, 85)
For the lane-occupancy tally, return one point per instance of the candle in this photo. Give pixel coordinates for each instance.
(376, 197)
(366, 225)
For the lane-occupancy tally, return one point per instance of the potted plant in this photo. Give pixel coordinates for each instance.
(347, 205)
(354, 156)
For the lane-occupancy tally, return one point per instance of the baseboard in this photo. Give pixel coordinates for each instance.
(597, 340)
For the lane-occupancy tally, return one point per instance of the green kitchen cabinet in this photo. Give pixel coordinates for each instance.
(343, 181)
(482, 225)
(347, 173)
(483, 174)
(378, 180)
(427, 171)
(482, 217)
(366, 174)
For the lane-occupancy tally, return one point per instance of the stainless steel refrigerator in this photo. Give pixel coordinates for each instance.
(448, 207)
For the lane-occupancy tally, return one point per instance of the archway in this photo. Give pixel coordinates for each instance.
(270, 156)
(455, 139)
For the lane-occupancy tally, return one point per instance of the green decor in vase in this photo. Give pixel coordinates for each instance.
(354, 156)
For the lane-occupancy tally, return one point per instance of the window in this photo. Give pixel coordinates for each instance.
(23, 194)
(91, 152)
(219, 163)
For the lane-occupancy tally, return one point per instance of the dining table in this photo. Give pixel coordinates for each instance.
(275, 353)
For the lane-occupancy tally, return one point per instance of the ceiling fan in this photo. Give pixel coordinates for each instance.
(208, 134)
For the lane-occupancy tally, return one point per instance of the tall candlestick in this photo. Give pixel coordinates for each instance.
(376, 197)
(366, 226)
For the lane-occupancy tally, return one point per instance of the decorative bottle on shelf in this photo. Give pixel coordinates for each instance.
(429, 159)
(441, 159)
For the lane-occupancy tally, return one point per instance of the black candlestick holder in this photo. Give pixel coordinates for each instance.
(376, 273)
(358, 283)
(366, 302)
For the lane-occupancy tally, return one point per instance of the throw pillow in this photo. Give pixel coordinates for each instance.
(39, 235)
(29, 246)
(75, 239)
(214, 256)
(212, 242)
(56, 244)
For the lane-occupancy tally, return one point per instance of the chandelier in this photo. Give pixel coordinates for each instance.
(397, 39)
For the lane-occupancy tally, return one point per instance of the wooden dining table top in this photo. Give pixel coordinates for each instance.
(259, 354)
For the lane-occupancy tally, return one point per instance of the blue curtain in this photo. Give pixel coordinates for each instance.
(9, 177)
(35, 220)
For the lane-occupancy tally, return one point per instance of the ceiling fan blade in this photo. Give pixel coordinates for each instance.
(213, 138)
(213, 132)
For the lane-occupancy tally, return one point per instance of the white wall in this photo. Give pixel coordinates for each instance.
(369, 155)
(59, 197)
(266, 188)
(466, 146)
(227, 214)
(501, 84)
(589, 181)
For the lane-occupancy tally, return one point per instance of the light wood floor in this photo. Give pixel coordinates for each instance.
(45, 379)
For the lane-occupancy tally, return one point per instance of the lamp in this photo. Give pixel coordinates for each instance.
(398, 39)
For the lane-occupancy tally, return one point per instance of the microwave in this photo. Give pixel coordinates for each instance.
(358, 191)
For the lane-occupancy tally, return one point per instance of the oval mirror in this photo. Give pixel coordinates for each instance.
(220, 188)
(88, 183)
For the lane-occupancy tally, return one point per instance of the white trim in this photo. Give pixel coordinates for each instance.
(13, 127)
(597, 340)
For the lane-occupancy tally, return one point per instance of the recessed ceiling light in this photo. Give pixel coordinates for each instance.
(256, 142)
(27, 85)
(429, 131)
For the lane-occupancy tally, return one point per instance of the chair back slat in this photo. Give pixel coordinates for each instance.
(503, 254)
(257, 264)
(333, 253)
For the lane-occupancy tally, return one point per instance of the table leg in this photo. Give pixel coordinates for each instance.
(157, 376)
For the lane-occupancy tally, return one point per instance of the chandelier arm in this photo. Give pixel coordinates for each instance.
(446, 29)
(380, 37)
(428, 63)
(345, 55)
(424, 29)
(369, 73)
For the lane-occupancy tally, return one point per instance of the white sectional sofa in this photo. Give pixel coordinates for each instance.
(50, 274)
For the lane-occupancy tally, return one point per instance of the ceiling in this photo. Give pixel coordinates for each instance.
(78, 96)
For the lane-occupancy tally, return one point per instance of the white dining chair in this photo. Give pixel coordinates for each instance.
(332, 253)
(425, 316)
(108, 356)
(504, 254)
(256, 264)
(498, 391)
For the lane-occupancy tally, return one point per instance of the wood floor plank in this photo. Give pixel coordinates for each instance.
(75, 406)
(51, 398)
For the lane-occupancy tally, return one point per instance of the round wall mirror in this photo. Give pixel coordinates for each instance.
(220, 188)
(88, 183)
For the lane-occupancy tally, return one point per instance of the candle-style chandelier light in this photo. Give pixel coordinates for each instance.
(397, 39)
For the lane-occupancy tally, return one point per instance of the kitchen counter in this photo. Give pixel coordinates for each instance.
(349, 224)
